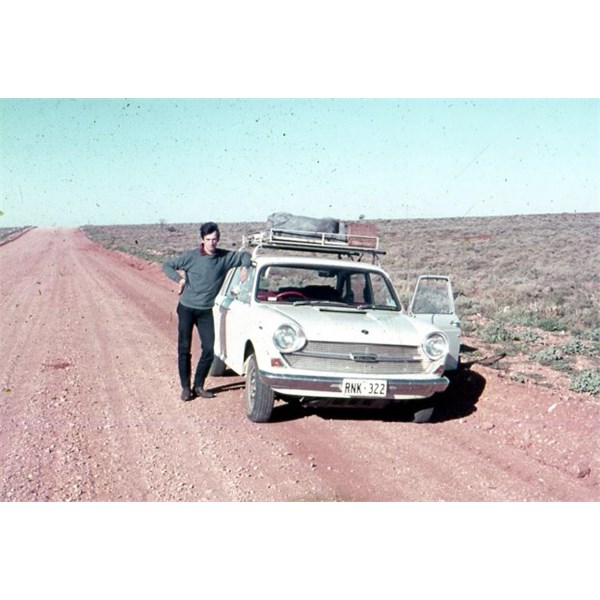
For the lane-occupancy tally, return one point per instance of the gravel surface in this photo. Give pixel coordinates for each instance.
(90, 410)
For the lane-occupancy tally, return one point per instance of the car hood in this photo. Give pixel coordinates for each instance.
(351, 325)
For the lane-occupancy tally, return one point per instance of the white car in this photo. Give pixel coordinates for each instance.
(329, 327)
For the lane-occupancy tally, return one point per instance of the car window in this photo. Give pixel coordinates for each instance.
(293, 283)
(241, 289)
(381, 291)
(432, 296)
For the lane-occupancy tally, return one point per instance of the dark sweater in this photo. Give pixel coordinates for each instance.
(204, 274)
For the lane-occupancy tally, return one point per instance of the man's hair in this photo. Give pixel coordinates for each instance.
(208, 228)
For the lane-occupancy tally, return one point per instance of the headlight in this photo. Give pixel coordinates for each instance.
(289, 338)
(435, 346)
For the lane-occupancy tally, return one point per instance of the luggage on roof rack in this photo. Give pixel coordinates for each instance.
(351, 245)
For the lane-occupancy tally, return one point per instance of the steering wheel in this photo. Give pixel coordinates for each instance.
(290, 294)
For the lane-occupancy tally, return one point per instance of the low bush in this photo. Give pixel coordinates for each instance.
(528, 337)
(587, 380)
(518, 377)
(582, 349)
(495, 333)
(468, 327)
(551, 324)
(549, 356)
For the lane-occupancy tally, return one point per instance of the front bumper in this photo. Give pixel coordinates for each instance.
(331, 387)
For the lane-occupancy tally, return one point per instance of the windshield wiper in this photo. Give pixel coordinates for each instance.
(376, 307)
(322, 303)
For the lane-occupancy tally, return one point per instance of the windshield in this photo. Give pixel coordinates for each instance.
(325, 285)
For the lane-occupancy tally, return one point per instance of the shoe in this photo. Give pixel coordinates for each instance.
(187, 395)
(200, 391)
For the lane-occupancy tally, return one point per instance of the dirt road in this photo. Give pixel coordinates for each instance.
(90, 410)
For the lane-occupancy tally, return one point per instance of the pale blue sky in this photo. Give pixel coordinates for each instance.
(114, 161)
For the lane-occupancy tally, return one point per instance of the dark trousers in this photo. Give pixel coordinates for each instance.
(203, 320)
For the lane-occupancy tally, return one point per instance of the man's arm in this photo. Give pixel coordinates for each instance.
(171, 269)
(246, 264)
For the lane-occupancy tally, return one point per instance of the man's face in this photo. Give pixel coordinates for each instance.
(210, 242)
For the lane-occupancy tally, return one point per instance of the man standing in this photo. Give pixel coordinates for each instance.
(204, 270)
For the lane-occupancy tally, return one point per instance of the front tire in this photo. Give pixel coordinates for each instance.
(259, 397)
(423, 415)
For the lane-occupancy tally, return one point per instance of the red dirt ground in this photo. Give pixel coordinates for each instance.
(90, 410)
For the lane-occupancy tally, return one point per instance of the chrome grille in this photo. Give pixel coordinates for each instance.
(358, 359)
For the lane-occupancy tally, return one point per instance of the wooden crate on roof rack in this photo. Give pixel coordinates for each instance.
(362, 234)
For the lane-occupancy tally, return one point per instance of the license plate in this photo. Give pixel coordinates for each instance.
(364, 387)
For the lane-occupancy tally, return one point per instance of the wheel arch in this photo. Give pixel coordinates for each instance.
(248, 351)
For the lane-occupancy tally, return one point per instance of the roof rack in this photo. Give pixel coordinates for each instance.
(342, 244)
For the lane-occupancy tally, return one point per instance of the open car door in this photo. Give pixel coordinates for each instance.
(433, 302)
(230, 312)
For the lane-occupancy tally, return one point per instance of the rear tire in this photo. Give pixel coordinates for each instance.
(259, 397)
(218, 367)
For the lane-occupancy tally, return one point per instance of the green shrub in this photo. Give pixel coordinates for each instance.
(550, 324)
(587, 380)
(518, 377)
(582, 349)
(594, 335)
(467, 327)
(556, 357)
(527, 336)
(465, 306)
(495, 333)
(574, 347)
(549, 356)
(525, 319)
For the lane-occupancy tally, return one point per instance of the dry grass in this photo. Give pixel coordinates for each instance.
(518, 279)
(8, 234)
